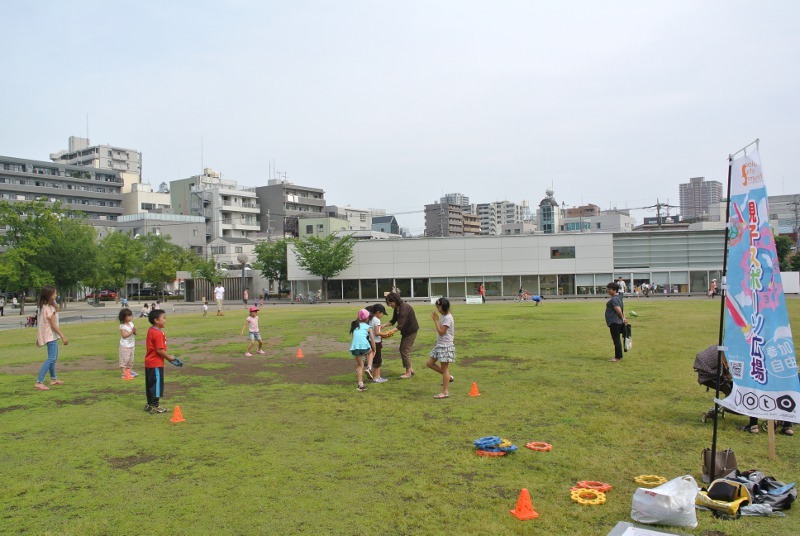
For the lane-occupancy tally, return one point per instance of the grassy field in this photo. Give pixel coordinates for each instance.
(279, 445)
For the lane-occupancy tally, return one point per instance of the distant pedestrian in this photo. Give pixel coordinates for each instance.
(48, 335)
(127, 342)
(219, 295)
(622, 286)
(145, 311)
(406, 323)
(615, 319)
(712, 288)
(444, 352)
(2, 306)
(482, 293)
(245, 297)
(536, 299)
(205, 308)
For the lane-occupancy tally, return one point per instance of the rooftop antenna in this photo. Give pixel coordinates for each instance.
(202, 162)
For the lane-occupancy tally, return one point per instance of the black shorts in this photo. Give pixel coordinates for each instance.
(377, 360)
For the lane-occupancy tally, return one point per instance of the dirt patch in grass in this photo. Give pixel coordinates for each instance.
(10, 408)
(242, 370)
(129, 461)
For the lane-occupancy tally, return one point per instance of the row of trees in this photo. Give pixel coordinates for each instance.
(54, 245)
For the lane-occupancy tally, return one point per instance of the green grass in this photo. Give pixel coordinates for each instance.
(277, 445)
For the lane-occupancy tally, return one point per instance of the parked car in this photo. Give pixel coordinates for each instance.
(104, 295)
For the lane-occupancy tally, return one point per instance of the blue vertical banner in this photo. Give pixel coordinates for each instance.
(758, 339)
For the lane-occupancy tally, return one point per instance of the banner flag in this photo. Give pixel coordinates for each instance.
(758, 340)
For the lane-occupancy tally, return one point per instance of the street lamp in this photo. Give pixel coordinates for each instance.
(243, 258)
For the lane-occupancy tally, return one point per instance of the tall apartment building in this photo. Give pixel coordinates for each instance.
(444, 219)
(697, 196)
(457, 199)
(229, 211)
(81, 153)
(97, 192)
(498, 213)
(549, 214)
(282, 203)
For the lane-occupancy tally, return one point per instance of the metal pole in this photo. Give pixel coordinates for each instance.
(723, 297)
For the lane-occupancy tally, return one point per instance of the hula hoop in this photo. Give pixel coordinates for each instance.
(539, 446)
(588, 497)
(490, 454)
(595, 485)
(650, 481)
(505, 443)
(488, 441)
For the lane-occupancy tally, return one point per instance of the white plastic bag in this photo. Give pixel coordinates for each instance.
(668, 504)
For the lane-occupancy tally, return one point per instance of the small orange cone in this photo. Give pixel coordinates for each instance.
(300, 354)
(524, 509)
(177, 416)
(474, 391)
(127, 374)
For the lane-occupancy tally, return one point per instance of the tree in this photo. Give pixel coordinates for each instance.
(27, 238)
(783, 246)
(324, 257)
(271, 260)
(207, 269)
(162, 259)
(72, 254)
(121, 256)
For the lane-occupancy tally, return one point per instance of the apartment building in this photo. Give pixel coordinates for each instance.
(128, 162)
(444, 219)
(358, 219)
(697, 196)
(282, 203)
(229, 211)
(96, 192)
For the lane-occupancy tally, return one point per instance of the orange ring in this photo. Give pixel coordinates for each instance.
(490, 454)
(593, 484)
(539, 446)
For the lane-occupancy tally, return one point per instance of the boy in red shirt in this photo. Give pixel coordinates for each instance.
(154, 360)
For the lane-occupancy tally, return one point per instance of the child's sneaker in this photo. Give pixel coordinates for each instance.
(134, 374)
(262, 352)
(361, 387)
(158, 409)
(148, 407)
(248, 354)
(41, 387)
(380, 380)
(368, 372)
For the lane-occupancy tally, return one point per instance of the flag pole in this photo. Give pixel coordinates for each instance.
(723, 297)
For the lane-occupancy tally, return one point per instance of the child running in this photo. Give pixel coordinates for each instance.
(205, 308)
(48, 335)
(154, 361)
(363, 344)
(127, 342)
(251, 322)
(445, 351)
(376, 313)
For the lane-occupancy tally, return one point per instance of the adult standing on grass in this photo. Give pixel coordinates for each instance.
(482, 293)
(615, 319)
(622, 286)
(405, 321)
(48, 335)
(245, 297)
(219, 295)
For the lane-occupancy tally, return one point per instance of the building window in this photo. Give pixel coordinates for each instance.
(309, 229)
(238, 249)
(563, 252)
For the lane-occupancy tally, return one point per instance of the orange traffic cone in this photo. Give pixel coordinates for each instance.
(524, 509)
(177, 416)
(300, 354)
(127, 375)
(474, 391)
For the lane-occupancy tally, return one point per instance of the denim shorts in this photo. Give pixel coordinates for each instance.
(254, 336)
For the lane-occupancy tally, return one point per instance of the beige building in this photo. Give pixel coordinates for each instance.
(142, 198)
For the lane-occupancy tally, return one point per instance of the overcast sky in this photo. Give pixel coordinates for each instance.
(392, 104)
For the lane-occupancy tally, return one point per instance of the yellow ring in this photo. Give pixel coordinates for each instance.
(650, 481)
(504, 443)
(588, 497)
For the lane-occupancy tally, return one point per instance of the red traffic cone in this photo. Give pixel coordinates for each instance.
(127, 375)
(299, 354)
(524, 510)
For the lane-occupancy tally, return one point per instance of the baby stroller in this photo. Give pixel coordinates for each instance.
(705, 365)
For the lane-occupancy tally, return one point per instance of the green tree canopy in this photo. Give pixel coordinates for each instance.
(207, 269)
(162, 259)
(324, 257)
(783, 246)
(271, 260)
(122, 257)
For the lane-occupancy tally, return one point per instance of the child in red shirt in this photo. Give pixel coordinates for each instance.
(154, 361)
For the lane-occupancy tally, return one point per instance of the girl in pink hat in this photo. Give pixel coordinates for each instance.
(362, 345)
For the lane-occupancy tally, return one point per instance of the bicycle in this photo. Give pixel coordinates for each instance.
(523, 298)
